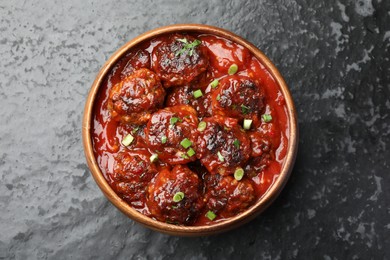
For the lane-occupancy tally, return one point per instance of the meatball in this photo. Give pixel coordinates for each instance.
(136, 60)
(138, 133)
(186, 185)
(171, 133)
(260, 144)
(222, 145)
(179, 59)
(239, 97)
(185, 96)
(137, 96)
(261, 154)
(227, 197)
(131, 175)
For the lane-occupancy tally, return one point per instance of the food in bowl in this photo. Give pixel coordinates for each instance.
(190, 128)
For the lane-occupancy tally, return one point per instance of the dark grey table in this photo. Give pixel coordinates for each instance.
(333, 54)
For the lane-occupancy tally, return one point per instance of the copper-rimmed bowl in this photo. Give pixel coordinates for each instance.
(230, 223)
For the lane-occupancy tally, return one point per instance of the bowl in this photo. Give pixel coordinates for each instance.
(219, 227)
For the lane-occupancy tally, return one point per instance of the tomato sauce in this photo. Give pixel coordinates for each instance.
(174, 99)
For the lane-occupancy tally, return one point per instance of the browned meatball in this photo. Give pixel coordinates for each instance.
(179, 60)
(138, 133)
(222, 145)
(131, 175)
(137, 96)
(185, 96)
(227, 197)
(262, 154)
(171, 133)
(136, 60)
(164, 187)
(260, 144)
(239, 97)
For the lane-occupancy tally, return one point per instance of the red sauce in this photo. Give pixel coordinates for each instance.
(149, 94)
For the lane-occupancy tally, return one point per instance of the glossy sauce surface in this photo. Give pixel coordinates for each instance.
(168, 82)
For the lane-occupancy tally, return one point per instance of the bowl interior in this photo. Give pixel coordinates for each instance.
(225, 225)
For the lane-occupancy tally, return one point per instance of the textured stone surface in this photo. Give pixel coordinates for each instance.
(334, 56)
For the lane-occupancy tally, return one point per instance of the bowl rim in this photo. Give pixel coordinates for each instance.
(218, 227)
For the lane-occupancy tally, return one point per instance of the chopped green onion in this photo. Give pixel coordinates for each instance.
(188, 47)
(198, 93)
(184, 156)
(180, 52)
(220, 157)
(238, 174)
(267, 118)
(214, 83)
(236, 143)
(233, 69)
(173, 120)
(247, 124)
(245, 109)
(179, 196)
(196, 42)
(154, 158)
(164, 139)
(202, 126)
(210, 215)
(191, 152)
(218, 97)
(186, 143)
(127, 140)
(135, 130)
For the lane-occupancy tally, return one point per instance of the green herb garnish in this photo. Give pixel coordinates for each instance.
(174, 120)
(154, 158)
(245, 109)
(186, 143)
(239, 174)
(198, 93)
(236, 143)
(247, 124)
(220, 157)
(188, 47)
(266, 118)
(202, 126)
(164, 139)
(179, 196)
(233, 69)
(214, 83)
(184, 156)
(190, 152)
(210, 215)
(135, 130)
(127, 140)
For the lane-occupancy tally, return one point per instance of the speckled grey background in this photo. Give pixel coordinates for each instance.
(334, 56)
